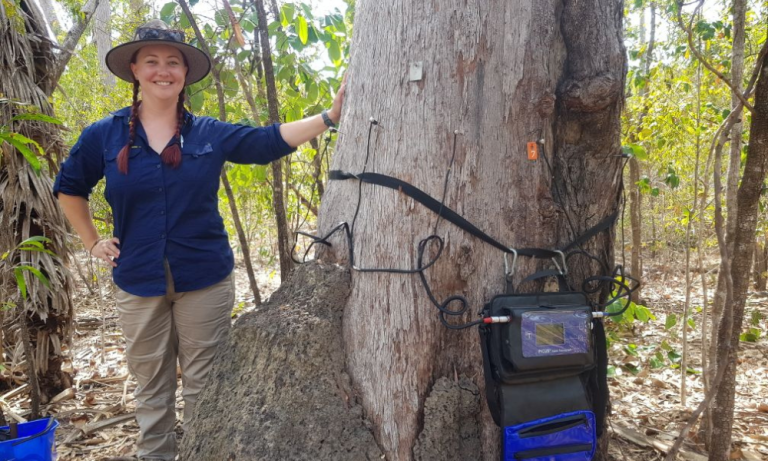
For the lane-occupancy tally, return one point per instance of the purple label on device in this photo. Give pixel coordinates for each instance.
(549, 333)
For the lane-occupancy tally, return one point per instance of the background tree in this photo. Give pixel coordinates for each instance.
(27, 207)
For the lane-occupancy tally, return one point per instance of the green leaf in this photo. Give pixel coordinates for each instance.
(196, 101)
(692, 323)
(671, 321)
(167, 11)
(636, 151)
(611, 371)
(260, 173)
(20, 143)
(20, 283)
(286, 14)
(303, 30)
(334, 52)
(34, 271)
(631, 349)
(655, 192)
(674, 357)
(632, 368)
(665, 346)
(748, 337)
(39, 118)
(642, 313)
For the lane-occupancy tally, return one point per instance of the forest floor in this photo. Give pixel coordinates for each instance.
(647, 413)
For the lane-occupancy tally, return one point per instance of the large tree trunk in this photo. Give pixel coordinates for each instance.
(493, 71)
(501, 74)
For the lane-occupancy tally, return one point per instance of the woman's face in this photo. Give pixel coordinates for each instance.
(161, 72)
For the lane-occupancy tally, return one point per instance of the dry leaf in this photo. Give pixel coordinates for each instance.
(763, 408)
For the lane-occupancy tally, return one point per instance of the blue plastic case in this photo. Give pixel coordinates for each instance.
(565, 437)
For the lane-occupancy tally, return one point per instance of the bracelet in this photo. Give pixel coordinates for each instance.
(327, 119)
(90, 252)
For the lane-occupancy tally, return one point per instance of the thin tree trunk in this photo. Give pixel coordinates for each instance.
(69, 44)
(688, 227)
(635, 197)
(102, 35)
(747, 200)
(734, 169)
(244, 245)
(29, 355)
(761, 263)
(317, 164)
(278, 193)
(635, 266)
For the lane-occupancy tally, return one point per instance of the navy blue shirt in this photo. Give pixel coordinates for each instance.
(162, 213)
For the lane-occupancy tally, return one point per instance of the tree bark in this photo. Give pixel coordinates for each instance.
(558, 76)
(278, 193)
(747, 200)
(760, 270)
(102, 35)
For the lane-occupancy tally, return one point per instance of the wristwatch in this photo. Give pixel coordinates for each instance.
(327, 120)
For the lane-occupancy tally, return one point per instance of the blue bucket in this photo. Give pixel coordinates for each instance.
(35, 442)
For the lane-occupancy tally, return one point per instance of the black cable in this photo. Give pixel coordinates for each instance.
(445, 183)
(423, 244)
(623, 289)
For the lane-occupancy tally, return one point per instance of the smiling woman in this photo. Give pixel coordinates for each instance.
(169, 250)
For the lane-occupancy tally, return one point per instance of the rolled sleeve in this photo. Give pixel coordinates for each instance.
(83, 168)
(245, 144)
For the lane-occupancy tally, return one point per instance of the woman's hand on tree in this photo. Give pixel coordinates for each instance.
(106, 250)
(338, 102)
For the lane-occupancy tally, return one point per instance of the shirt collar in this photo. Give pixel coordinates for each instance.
(125, 113)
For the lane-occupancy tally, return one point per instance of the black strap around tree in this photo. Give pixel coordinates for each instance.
(448, 214)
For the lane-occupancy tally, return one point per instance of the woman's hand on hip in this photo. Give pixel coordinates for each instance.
(107, 250)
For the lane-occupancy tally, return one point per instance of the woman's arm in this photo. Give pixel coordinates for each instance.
(79, 215)
(298, 132)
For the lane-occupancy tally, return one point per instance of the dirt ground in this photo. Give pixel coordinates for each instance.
(647, 413)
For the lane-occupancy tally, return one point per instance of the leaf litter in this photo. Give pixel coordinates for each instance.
(96, 420)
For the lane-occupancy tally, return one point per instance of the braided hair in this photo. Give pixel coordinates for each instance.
(122, 157)
(171, 155)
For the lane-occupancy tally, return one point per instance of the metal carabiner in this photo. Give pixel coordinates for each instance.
(509, 272)
(563, 270)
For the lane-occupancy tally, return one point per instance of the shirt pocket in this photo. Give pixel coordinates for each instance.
(116, 179)
(198, 162)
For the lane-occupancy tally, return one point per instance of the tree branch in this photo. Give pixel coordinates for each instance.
(70, 42)
(700, 57)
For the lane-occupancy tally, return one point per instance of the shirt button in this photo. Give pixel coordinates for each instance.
(162, 236)
(162, 212)
(158, 165)
(160, 189)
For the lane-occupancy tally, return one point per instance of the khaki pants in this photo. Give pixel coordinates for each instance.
(158, 331)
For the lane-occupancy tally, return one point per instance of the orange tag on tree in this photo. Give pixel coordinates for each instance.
(533, 151)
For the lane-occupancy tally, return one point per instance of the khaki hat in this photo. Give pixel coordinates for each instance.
(157, 32)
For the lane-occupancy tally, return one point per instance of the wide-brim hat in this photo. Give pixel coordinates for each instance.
(157, 32)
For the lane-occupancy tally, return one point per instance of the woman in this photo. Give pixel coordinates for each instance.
(170, 253)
